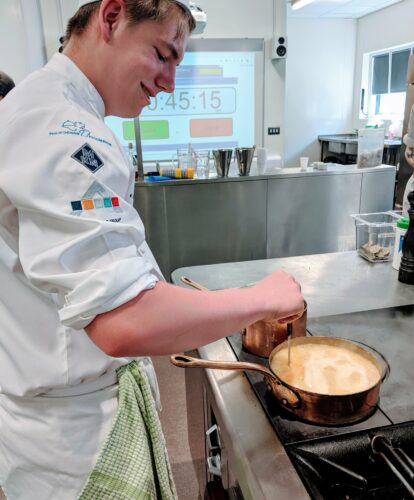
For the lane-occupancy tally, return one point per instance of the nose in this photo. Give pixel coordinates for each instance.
(166, 80)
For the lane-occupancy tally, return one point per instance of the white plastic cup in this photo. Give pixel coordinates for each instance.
(304, 160)
(261, 160)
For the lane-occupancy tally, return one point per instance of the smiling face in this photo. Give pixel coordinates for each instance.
(126, 57)
(142, 62)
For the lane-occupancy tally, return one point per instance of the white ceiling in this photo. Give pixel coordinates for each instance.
(350, 9)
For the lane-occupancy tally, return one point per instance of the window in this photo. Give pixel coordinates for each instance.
(399, 65)
(386, 81)
(380, 74)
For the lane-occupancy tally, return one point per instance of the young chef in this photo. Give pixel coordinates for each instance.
(408, 140)
(81, 294)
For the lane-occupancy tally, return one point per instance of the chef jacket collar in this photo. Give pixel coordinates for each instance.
(66, 67)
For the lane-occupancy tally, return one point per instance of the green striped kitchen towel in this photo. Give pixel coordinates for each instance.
(133, 463)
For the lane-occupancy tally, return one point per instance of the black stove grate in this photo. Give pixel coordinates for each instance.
(338, 463)
(345, 467)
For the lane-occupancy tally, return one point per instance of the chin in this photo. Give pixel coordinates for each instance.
(127, 111)
(126, 114)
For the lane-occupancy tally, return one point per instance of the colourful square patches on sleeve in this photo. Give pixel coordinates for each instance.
(88, 204)
(107, 202)
(115, 202)
(76, 205)
(98, 202)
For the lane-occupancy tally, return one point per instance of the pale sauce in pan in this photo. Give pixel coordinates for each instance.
(325, 369)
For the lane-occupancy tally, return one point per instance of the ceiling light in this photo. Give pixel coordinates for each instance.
(298, 4)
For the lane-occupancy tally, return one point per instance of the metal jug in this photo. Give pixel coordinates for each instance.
(244, 159)
(262, 337)
(222, 159)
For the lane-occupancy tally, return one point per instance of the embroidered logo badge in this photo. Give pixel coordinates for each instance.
(88, 158)
(93, 203)
(95, 198)
(78, 127)
(75, 127)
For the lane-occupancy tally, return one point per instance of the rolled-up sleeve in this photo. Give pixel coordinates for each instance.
(92, 266)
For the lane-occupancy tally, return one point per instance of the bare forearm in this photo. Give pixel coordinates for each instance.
(171, 319)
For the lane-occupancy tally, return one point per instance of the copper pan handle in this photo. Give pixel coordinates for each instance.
(194, 284)
(284, 394)
(184, 361)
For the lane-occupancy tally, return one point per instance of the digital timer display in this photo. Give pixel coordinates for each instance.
(195, 101)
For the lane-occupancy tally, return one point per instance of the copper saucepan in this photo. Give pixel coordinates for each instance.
(263, 336)
(312, 407)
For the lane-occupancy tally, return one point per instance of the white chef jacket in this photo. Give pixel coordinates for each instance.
(408, 140)
(71, 244)
(408, 188)
(71, 247)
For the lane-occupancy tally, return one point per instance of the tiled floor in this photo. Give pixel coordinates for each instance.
(175, 425)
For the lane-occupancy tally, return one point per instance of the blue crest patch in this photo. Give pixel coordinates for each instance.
(88, 158)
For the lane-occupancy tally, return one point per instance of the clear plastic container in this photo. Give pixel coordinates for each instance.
(375, 235)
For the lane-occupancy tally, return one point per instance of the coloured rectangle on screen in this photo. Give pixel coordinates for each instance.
(150, 129)
(154, 129)
(128, 130)
(211, 127)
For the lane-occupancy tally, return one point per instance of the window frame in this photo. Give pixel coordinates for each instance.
(368, 110)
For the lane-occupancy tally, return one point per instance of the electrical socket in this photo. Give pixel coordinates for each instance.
(273, 131)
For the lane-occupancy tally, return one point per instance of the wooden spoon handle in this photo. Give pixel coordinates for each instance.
(194, 284)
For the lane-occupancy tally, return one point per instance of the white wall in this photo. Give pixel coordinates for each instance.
(319, 83)
(22, 47)
(13, 56)
(244, 18)
(383, 29)
(55, 14)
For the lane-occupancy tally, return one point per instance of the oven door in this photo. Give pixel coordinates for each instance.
(208, 451)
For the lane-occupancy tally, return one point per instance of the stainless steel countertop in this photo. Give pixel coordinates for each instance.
(353, 139)
(332, 169)
(332, 284)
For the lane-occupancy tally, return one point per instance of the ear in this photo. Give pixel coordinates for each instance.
(109, 15)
